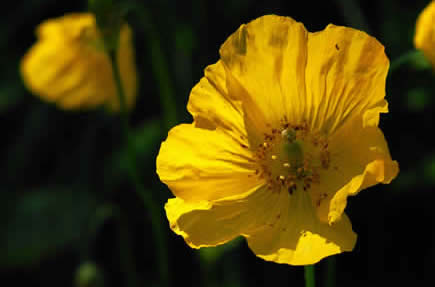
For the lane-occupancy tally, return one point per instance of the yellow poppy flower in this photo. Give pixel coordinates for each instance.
(69, 66)
(424, 37)
(285, 129)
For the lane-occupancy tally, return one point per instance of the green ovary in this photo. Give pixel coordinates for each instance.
(294, 152)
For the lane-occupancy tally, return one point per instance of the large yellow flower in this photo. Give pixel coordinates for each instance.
(285, 129)
(69, 66)
(424, 37)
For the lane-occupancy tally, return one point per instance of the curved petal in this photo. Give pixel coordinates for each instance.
(43, 64)
(219, 102)
(69, 26)
(345, 76)
(97, 83)
(267, 59)
(213, 107)
(299, 237)
(205, 223)
(359, 159)
(201, 164)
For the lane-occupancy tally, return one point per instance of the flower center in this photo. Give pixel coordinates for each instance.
(291, 157)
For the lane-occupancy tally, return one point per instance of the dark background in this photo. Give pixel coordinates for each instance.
(65, 197)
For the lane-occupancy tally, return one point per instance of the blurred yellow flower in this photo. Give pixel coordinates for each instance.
(424, 38)
(69, 66)
(285, 129)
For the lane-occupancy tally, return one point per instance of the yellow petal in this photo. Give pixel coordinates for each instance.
(219, 102)
(320, 78)
(205, 223)
(298, 237)
(96, 82)
(371, 116)
(69, 26)
(267, 58)
(345, 76)
(89, 93)
(40, 71)
(201, 164)
(424, 38)
(359, 159)
(213, 107)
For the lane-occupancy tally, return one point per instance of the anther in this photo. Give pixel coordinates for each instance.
(286, 164)
(274, 157)
(292, 187)
(281, 177)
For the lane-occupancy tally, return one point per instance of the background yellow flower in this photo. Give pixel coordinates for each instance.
(285, 129)
(69, 66)
(424, 38)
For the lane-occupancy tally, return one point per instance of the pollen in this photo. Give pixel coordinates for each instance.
(291, 157)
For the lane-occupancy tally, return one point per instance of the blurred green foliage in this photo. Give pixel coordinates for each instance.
(418, 99)
(11, 93)
(41, 222)
(144, 144)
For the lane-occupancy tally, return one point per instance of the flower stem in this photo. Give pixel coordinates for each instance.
(159, 66)
(331, 264)
(125, 252)
(309, 276)
(156, 220)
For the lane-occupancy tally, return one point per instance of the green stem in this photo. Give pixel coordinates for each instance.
(331, 266)
(159, 67)
(154, 213)
(125, 253)
(310, 279)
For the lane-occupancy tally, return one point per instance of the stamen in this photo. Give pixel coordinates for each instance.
(293, 160)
